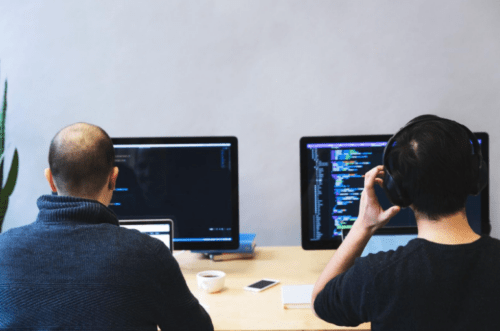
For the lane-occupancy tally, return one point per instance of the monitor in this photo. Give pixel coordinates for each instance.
(159, 229)
(190, 180)
(331, 171)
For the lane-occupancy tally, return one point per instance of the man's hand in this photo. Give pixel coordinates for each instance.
(371, 215)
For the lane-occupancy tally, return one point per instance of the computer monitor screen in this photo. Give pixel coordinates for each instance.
(332, 170)
(191, 180)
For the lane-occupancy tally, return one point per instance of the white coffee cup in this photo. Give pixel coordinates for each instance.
(211, 280)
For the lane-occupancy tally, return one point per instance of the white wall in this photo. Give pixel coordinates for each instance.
(267, 72)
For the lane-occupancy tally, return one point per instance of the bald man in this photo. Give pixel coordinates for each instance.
(74, 268)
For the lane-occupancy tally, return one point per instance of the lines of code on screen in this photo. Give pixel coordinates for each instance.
(336, 179)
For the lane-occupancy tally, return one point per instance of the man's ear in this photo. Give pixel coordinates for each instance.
(50, 179)
(112, 179)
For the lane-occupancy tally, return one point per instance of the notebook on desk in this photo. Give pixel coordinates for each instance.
(296, 296)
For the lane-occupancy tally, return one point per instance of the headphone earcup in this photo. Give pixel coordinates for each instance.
(482, 179)
(393, 191)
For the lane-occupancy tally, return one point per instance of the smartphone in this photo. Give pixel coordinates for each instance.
(261, 285)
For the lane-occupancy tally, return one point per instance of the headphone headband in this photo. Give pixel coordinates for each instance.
(394, 188)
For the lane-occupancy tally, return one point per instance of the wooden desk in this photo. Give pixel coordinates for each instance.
(236, 309)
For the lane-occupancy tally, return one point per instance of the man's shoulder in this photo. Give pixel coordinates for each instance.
(419, 252)
(16, 233)
(387, 259)
(108, 238)
(491, 241)
(120, 240)
(491, 248)
(139, 239)
(405, 262)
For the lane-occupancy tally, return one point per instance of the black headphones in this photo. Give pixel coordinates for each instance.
(394, 188)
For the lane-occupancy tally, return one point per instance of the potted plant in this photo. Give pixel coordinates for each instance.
(6, 190)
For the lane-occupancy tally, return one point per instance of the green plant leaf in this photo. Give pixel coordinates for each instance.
(2, 119)
(12, 178)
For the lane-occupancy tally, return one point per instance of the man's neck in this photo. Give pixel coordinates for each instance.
(450, 230)
(103, 197)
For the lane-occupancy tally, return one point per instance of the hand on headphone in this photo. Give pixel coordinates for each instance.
(371, 215)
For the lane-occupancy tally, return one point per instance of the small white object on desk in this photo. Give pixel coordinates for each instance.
(296, 296)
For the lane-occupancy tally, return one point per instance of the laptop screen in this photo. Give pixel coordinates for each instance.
(159, 229)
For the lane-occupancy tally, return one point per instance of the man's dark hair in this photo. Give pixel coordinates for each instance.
(432, 160)
(81, 158)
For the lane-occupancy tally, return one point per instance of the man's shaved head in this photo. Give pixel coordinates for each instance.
(81, 158)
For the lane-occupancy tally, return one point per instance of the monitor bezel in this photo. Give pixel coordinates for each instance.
(308, 244)
(233, 141)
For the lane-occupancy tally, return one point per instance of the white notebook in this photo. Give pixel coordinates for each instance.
(296, 296)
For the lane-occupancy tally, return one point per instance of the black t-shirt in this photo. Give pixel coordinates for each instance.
(421, 286)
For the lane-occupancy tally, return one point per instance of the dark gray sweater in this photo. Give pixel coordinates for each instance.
(76, 269)
(422, 286)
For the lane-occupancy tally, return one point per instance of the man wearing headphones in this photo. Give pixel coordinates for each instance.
(446, 279)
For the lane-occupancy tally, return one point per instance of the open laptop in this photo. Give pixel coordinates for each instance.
(162, 229)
